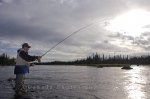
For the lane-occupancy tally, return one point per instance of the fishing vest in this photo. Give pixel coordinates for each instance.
(20, 61)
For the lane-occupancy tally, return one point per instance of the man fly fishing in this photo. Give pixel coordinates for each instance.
(22, 67)
(23, 59)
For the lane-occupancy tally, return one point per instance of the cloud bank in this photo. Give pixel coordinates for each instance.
(43, 23)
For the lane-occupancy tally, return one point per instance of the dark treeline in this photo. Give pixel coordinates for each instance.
(6, 60)
(116, 59)
(103, 59)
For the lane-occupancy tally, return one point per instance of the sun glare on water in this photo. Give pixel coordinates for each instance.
(131, 23)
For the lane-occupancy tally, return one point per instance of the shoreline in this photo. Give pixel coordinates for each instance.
(92, 65)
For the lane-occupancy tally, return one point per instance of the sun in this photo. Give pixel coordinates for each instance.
(131, 23)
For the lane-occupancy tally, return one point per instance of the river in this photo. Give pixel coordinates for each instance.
(80, 82)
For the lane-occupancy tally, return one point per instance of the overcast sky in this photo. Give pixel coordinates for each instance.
(44, 23)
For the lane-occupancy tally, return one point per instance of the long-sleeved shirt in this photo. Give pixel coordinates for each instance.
(24, 55)
(23, 58)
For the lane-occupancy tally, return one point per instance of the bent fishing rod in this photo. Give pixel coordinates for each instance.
(73, 33)
(80, 29)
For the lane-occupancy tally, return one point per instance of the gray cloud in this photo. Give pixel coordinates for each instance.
(121, 36)
(13, 30)
(146, 34)
(147, 26)
(143, 41)
(44, 23)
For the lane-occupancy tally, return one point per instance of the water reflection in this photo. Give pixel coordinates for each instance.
(135, 84)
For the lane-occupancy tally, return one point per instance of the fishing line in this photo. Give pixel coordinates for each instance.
(73, 33)
(67, 38)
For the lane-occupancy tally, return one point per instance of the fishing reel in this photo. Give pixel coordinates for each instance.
(39, 59)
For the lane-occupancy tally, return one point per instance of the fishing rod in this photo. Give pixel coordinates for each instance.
(73, 33)
(80, 29)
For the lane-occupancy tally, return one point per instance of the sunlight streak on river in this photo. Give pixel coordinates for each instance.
(135, 84)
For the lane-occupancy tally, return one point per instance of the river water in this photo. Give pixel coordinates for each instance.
(80, 82)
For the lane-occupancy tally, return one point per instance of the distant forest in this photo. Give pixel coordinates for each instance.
(93, 59)
(6, 60)
(102, 59)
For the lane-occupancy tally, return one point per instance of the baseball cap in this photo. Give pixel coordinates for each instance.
(26, 45)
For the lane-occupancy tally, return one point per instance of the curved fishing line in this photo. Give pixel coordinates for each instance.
(67, 38)
(75, 32)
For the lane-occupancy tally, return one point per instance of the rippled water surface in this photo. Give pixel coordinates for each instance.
(80, 82)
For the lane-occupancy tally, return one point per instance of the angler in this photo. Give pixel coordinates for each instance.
(22, 67)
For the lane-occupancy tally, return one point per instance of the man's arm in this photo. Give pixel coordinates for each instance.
(27, 57)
